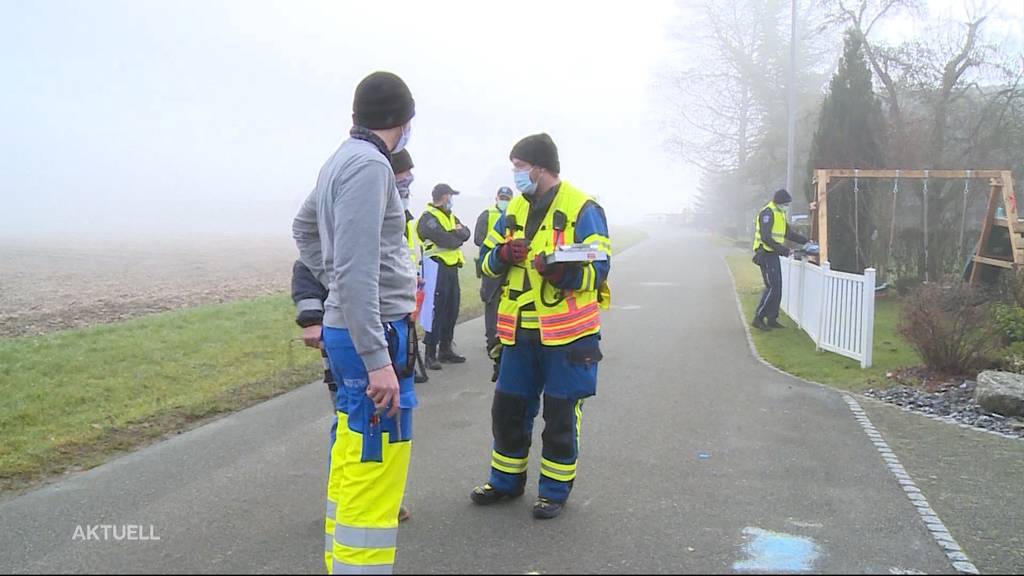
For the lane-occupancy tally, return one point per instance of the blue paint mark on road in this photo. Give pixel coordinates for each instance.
(774, 552)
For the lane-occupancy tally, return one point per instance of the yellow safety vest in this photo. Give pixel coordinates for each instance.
(778, 227)
(413, 239)
(449, 257)
(493, 213)
(560, 316)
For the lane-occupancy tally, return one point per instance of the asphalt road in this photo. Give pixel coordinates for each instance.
(694, 458)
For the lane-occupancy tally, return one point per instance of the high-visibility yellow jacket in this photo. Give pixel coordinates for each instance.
(527, 299)
(779, 227)
(452, 257)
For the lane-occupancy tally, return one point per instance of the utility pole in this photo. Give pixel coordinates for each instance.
(791, 119)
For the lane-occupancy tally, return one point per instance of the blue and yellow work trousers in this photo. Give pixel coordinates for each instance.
(369, 461)
(564, 376)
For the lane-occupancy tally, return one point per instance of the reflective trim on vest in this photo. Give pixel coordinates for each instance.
(449, 257)
(576, 313)
(365, 537)
(778, 227)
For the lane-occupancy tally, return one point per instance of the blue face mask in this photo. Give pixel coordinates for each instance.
(403, 185)
(502, 205)
(404, 138)
(523, 182)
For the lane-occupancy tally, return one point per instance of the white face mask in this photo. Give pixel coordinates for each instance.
(404, 138)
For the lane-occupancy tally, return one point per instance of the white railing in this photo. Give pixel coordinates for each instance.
(836, 309)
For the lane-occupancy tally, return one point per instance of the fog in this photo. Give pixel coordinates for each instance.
(174, 119)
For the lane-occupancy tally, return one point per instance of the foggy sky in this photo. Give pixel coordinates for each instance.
(166, 119)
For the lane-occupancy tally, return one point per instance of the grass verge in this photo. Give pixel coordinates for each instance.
(73, 398)
(793, 351)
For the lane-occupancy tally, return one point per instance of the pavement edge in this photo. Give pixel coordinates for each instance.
(957, 558)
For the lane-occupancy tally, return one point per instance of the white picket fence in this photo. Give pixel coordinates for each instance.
(836, 309)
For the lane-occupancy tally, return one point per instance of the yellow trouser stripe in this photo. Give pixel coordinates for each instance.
(556, 471)
(334, 476)
(508, 464)
(579, 424)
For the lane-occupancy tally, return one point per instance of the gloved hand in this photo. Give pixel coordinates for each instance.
(513, 251)
(553, 273)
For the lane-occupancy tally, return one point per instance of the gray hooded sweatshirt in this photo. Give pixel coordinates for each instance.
(351, 234)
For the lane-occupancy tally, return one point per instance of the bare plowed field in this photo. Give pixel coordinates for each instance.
(56, 285)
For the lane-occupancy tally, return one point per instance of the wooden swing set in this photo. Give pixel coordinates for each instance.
(1001, 193)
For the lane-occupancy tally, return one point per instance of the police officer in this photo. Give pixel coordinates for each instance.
(549, 324)
(490, 288)
(443, 235)
(771, 231)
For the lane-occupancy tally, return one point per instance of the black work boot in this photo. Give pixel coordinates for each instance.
(448, 354)
(759, 324)
(774, 323)
(486, 495)
(431, 358)
(544, 509)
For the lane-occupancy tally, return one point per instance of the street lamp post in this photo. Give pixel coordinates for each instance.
(791, 113)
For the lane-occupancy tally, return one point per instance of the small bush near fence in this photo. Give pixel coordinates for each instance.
(1009, 320)
(949, 324)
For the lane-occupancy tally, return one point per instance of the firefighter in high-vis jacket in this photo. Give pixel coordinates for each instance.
(549, 324)
(771, 231)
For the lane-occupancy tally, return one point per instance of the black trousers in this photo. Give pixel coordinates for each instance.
(447, 298)
(771, 273)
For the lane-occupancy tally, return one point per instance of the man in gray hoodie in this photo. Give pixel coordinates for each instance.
(350, 234)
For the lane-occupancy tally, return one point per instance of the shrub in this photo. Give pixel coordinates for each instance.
(1012, 358)
(949, 324)
(1009, 320)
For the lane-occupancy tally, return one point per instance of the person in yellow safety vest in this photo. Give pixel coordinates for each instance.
(443, 235)
(350, 231)
(490, 288)
(549, 324)
(771, 231)
(401, 163)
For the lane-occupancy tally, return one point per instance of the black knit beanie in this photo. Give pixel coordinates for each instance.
(401, 161)
(782, 197)
(539, 150)
(382, 101)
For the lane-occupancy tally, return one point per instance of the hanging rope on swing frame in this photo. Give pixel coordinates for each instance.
(892, 225)
(856, 216)
(924, 195)
(963, 220)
